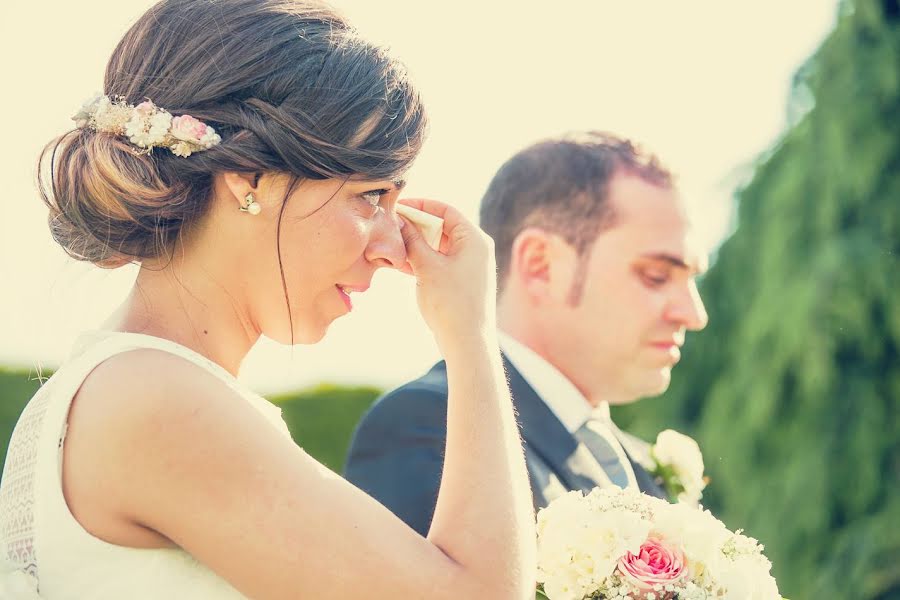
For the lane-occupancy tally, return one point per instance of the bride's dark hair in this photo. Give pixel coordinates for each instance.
(288, 84)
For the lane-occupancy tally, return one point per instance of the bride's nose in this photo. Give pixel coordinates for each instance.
(386, 248)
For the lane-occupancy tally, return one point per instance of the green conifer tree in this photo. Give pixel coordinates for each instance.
(793, 390)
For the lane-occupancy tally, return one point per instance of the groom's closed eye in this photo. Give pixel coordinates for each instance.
(654, 279)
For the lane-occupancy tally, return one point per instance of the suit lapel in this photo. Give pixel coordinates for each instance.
(638, 453)
(548, 439)
(645, 481)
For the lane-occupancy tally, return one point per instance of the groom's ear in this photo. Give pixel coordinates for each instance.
(543, 264)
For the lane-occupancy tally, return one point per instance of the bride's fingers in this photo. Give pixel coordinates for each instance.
(406, 268)
(444, 246)
(437, 208)
(418, 252)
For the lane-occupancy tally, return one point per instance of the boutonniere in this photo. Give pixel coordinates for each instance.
(678, 466)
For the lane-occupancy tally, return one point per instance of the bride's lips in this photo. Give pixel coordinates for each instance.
(346, 290)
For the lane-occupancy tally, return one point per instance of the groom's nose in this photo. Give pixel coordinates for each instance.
(686, 308)
(386, 247)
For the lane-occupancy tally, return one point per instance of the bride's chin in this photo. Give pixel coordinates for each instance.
(308, 328)
(305, 336)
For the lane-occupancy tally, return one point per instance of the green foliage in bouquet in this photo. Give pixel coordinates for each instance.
(793, 390)
(666, 475)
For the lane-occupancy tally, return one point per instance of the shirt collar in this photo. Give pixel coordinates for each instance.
(557, 392)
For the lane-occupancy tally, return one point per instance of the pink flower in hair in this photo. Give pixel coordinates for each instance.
(188, 129)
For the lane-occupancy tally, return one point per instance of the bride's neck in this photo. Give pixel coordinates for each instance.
(191, 306)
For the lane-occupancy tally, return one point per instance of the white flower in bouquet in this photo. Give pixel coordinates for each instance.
(679, 463)
(618, 544)
(700, 534)
(581, 539)
(745, 572)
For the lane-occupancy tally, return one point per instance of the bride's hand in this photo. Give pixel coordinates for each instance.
(456, 287)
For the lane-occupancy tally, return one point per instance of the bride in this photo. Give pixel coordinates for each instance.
(249, 155)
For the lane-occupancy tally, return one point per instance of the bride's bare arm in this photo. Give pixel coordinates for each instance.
(179, 453)
(184, 459)
(485, 503)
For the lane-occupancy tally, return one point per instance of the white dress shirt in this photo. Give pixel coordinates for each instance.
(562, 397)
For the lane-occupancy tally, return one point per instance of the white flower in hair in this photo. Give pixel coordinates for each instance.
(159, 127)
(148, 125)
(182, 149)
(110, 116)
(192, 132)
(87, 110)
(210, 138)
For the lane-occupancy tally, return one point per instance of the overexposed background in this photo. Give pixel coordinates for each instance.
(704, 84)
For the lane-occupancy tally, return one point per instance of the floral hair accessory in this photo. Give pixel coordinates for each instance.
(146, 125)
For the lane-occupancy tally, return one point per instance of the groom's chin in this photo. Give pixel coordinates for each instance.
(658, 381)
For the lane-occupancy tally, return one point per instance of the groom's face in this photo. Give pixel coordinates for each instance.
(635, 295)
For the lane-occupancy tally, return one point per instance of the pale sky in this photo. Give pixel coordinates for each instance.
(704, 84)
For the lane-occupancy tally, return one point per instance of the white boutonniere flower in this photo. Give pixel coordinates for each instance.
(678, 463)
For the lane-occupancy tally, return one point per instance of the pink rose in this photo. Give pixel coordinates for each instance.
(655, 564)
(188, 128)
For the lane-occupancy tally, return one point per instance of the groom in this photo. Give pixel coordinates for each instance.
(596, 266)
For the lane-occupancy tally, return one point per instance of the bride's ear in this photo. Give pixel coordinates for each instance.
(240, 184)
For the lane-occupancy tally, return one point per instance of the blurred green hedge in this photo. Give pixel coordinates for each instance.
(321, 419)
(16, 388)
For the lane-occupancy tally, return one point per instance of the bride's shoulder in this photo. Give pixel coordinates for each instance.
(137, 417)
(133, 388)
(148, 369)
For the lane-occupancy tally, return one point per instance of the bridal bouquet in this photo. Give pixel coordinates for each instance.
(618, 544)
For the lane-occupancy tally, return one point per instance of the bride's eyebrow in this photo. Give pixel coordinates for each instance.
(397, 183)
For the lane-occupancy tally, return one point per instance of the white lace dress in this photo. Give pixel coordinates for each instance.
(40, 536)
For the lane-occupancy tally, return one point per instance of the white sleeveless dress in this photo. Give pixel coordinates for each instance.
(38, 534)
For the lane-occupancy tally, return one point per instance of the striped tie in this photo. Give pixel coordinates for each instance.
(608, 452)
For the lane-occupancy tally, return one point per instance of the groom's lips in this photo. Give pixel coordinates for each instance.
(671, 347)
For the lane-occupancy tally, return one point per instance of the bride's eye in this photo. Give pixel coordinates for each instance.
(373, 197)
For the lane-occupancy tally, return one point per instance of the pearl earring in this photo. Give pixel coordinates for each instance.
(250, 205)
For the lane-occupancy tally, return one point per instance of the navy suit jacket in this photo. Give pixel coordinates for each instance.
(397, 451)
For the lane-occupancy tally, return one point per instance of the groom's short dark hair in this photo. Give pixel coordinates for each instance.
(561, 185)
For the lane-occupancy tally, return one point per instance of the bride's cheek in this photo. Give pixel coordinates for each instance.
(356, 234)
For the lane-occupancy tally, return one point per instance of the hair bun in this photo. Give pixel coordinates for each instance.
(108, 203)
